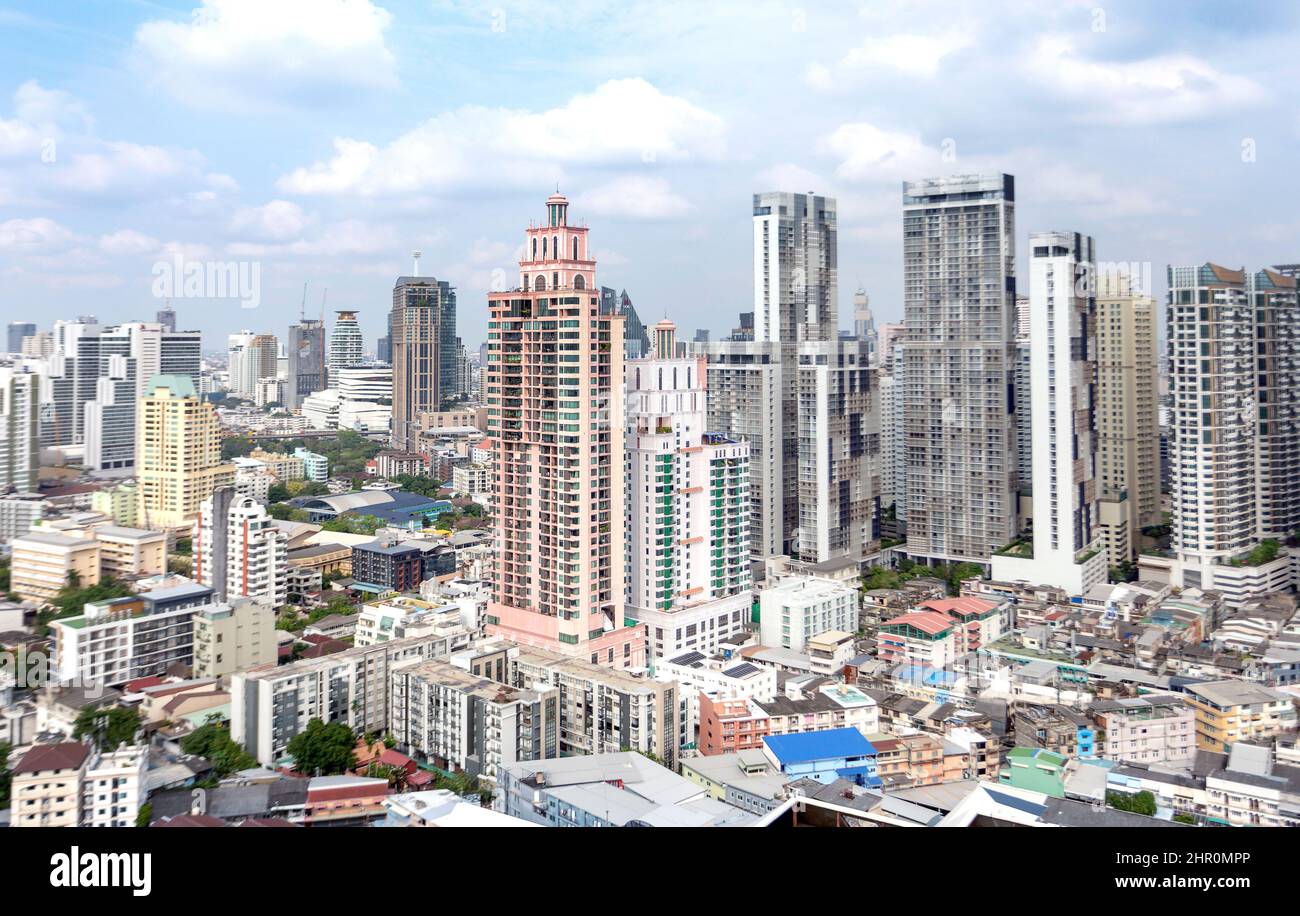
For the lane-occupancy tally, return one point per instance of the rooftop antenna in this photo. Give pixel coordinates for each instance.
(415, 271)
(302, 309)
(325, 292)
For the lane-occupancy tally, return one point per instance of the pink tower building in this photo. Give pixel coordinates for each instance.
(554, 395)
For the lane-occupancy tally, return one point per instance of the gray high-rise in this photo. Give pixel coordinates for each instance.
(307, 373)
(423, 351)
(17, 331)
(959, 294)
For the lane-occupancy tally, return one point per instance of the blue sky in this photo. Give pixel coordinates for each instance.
(325, 139)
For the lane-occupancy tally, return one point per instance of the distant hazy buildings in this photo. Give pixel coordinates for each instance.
(958, 304)
(423, 352)
(307, 370)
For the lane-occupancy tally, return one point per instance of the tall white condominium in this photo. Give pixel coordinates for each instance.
(345, 342)
(1066, 549)
(1234, 345)
(19, 442)
(239, 367)
(1128, 420)
(687, 507)
(958, 305)
(753, 382)
(238, 550)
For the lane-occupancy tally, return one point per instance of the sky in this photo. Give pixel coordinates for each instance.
(319, 142)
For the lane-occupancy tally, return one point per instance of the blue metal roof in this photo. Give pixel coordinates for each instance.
(830, 744)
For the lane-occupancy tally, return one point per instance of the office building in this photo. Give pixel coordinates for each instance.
(423, 335)
(687, 507)
(307, 368)
(555, 417)
(18, 330)
(238, 550)
(636, 342)
(178, 453)
(1066, 549)
(958, 404)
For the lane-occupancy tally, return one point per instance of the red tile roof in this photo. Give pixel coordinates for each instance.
(189, 820)
(140, 683)
(66, 755)
(932, 622)
(964, 605)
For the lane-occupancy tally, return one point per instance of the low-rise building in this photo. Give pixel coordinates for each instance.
(113, 787)
(131, 552)
(824, 756)
(43, 562)
(46, 787)
(1231, 711)
(799, 607)
(233, 637)
(1151, 728)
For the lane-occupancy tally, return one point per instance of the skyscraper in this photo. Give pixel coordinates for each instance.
(17, 331)
(167, 318)
(554, 397)
(423, 352)
(795, 267)
(19, 437)
(1128, 421)
(958, 304)
(178, 453)
(307, 373)
(687, 507)
(1067, 550)
(345, 341)
(636, 344)
(864, 323)
(1233, 348)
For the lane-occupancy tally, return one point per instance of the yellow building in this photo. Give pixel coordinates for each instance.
(177, 453)
(1231, 711)
(121, 503)
(131, 551)
(42, 561)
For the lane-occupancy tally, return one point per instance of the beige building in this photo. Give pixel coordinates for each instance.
(43, 560)
(233, 637)
(47, 786)
(127, 552)
(1128, 430)
(1231, 711)
(284, 466)
(177, 453)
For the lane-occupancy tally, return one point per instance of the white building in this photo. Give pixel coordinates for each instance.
(19, 438)
(113, 787)
(1066, 548)
(687, 507)
(798, 608)
(238, 550)
(345, 342)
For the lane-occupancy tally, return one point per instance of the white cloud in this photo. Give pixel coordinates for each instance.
(869, 153)
(117, 166)
(254, 55)
(279, 220)
(911, 55)
(33, 235)
(633, 197)
(624, 122)
(787, 176)
(1171, 87)
(128, 242)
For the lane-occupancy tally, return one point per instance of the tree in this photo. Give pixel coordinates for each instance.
(1140, 803)
(324, 749)
(109, 727)
(236, 446)
(144, 815)
(212, 741)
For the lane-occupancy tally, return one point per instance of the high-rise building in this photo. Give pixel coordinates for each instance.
(1066, 549)
(687, 508)
(238, 551)
(307, 367)
(1128, 414)
(864, 323)
(554, 397)
(795, 267)
(1234, 426)
(178, 453)
(166, 317)
(239, 377)
(17, 331)
(20, 400)
(423, 352)
(384, 347)
(636, 343)
(263, 361)
(958, 400)
(345, 341)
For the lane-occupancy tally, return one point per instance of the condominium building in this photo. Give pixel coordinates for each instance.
(20, 445)
(795, 267)
(43, 562)
(958, 405)
(238, 550)
(554, 398)
(271, 704)
(1066, 549)
(1231, 711)
(233, 637)
(1128, 423)
(468, 723)
(1146, 729)
(122, 639)
(603, 710)
(178, 453)
(798, 608)
(1234, 339)
(306, 360)
(284, 466)
(345, 341)
(423, 352)
(19, 514)
(46, 790)
(687, 507)
(113, 787)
